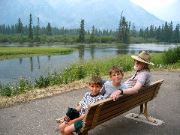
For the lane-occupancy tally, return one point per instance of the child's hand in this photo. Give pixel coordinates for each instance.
(115, 95)
(66, 118)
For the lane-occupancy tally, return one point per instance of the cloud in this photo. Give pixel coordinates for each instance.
(53, 3)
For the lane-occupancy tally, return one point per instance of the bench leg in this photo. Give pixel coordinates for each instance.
(141, 109)
(144, 116)
(147, 115)
(140, 112)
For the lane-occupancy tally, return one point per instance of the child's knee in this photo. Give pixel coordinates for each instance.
(67, 130)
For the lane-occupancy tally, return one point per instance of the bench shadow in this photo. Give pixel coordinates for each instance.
(124, 126)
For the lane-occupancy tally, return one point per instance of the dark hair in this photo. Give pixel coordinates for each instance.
(116, 69)
(146, 67)
(95, 79)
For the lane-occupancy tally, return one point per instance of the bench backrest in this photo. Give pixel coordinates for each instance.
(107, 109)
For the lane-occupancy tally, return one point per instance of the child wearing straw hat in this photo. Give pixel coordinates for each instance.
(141, 77)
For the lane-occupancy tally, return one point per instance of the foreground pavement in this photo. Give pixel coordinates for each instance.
(38, 117)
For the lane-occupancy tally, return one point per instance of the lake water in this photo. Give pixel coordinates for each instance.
(32, 67)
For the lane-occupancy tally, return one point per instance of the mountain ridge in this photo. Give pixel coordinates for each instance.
(68, 13)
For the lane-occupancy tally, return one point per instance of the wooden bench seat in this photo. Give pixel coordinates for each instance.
(107, 109)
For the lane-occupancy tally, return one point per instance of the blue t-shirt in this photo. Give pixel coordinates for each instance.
(108, 88)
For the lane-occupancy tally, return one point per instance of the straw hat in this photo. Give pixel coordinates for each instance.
(143, 57)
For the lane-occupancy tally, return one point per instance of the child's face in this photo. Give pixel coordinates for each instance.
(138, 65)
(95, 89)
(116, 78)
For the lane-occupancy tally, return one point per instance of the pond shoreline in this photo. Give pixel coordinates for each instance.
(56, 90)
(18, 52)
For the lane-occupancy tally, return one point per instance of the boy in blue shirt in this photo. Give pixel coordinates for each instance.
(116, 75)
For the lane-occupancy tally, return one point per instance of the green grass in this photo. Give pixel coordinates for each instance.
(82, 70)
(8, 52)
(142, 40)
(31, 50)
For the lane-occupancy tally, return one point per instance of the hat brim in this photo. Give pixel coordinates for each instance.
(141, 60)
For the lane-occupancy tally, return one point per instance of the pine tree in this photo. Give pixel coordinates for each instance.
(123, 30)
(151, 31)
(158, 33)
(81, 32)
(170, 32)
(49, 29)
(176, 37)
(146, 33)
(165, 32)
(141, 33)
(133, 31)
(19, 26)
(30, 27)
(37, 30)
(92, 36)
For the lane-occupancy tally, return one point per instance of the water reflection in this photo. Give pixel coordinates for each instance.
(122, 49)
(132, 51)
(49, 57)
(39, 66)
(20, 60)
(31, 63)
(81, 52)
(33, 67)
(92, 51)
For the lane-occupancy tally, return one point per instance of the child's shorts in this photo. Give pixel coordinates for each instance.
(78, 125)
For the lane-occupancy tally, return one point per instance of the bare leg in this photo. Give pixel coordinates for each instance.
(61, 127)
(68, 130)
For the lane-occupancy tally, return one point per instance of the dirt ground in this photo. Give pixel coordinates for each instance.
(38, 117)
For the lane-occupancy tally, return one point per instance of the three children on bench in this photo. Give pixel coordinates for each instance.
(113, 88)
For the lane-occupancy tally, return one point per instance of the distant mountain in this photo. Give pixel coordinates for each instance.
(104, 14)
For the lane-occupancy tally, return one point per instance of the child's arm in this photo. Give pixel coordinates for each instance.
(78, 107)
(76, 119)
(127, 91)
(134, 89)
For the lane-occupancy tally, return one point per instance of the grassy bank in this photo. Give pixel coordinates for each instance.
(82, 70)
(7, 52)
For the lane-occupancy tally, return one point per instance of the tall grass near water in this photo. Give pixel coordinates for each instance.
(6, 52)
(87, 68)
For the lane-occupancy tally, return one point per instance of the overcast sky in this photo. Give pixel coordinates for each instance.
(164, 9)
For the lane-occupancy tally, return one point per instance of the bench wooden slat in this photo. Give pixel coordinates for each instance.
(122, 104)
(114, 105)
(133, 98)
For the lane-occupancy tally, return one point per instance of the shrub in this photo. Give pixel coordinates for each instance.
(23, 85)
(171, 56)
(5, 90)
(42, 82)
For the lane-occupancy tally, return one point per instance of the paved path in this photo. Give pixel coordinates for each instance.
(38, 117)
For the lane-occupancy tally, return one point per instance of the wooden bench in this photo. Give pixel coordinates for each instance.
(107, 109)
